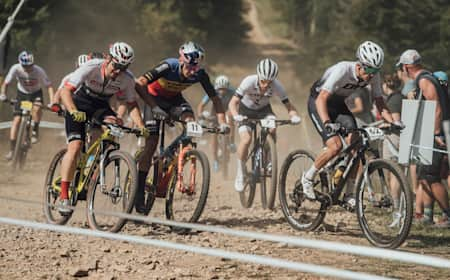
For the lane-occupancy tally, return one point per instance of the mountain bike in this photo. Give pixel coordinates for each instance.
(180, 173)
(261, 164)
(105, 176)
(379, 187)
(223, 146)
(23, 139)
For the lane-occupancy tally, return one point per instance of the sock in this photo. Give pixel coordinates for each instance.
(428, 212)
(396, 202)
(35, 127)
(446, 213)
(64, 190)
(12, 144)
(311, 173)
(239, 168)
(140, 198)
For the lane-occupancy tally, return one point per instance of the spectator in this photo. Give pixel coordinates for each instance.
(430, 176)
(360, 104)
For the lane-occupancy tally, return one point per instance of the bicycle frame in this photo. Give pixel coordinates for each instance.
(259, 136)
(163, 169)
(360, 145)
(99, 150)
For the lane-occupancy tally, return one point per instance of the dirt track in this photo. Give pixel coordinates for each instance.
(30, 254)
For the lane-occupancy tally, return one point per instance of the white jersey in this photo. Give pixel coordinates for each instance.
(28, 82)
(91, 75)
(64, 80)
(341, 79)
(251, 96)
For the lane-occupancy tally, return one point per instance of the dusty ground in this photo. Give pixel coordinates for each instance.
(31, 254)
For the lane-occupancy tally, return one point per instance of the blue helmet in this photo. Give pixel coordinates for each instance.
(26, 58)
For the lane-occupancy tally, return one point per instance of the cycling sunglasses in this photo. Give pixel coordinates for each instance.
(370, 70)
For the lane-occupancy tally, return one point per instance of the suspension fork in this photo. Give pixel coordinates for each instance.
(183, 151)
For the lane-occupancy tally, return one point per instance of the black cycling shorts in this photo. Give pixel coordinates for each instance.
(253, 114)
(337, 110)
(36, 96)
(93, 107)
(437, 171)
(175, 107)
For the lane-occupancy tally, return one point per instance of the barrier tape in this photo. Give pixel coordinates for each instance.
(300, 242)
(257, 259)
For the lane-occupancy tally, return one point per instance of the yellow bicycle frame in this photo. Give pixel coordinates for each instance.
(94, 150)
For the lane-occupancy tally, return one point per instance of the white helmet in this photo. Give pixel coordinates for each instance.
(221, 81)
(267, 69)
(82, 59)
(370, 54)
(26, 58)
(191, 53)
(122, 53)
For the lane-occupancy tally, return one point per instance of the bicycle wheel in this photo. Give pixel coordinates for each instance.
(384, 204)
(150, 190)
(301, 213)
(105, 202)
(20, 150)
(52, 191)
(269, 164)
(186, 204)
(248, 194)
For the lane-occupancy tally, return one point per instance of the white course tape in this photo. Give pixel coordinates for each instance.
(310, 243)
(301, 242)
(315, 269)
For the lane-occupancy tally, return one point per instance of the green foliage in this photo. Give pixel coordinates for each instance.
(209, 22)
(27, 25)
(329, 31)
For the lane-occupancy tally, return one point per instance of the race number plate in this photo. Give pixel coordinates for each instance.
(26, 105)
(193, 129)
(374, 133)
(116, 132)
(268, 123)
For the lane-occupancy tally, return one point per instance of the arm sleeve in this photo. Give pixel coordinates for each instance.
(157, 72)
(44, 78)
(11, 74)
(330, 83)
(79, 76)
(243, 87)
(206, 83)
(280, 92)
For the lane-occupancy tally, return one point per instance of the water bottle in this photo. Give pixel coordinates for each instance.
(340, 168)
(88, 164)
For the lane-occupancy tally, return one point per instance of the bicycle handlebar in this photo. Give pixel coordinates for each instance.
(278, 122)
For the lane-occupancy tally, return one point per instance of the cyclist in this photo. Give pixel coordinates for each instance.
(328, 111)
(165, 83)
(31, 78)
(252, 100)
(87, 92)
(225, 92)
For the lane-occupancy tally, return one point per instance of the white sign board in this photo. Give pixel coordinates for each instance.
(418, 118)
(447, 136)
